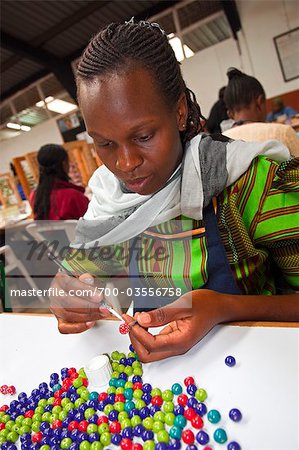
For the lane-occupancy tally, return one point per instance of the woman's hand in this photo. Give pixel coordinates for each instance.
(75, 303)
(187, 321)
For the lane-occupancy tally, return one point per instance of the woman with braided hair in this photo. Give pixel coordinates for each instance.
(211, 207)
(56, 198)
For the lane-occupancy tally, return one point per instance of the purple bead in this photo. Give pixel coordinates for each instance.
(48, 408)
(64, 433)
(71, 414)
(73, 397)
(201, 409)
(192, 402)
(102, 405)
(25, 445)
(146, 398)
(26, 437)
(147, 388)
(74, 446)
(113, 415)
(131, 360)
(93, 419)
(178, 410)
(127, 433)
(144, 412)
(202, 437)
(111, 399)
(233, 446)
(82, 408)
(123, 361)
(235, 415)
(161, 446)
(22, 397)
(43, 426)
(57, 432)
(174, 444)
(123, 376)
(191, 389)
(35, 446)
(131, 348)
(74, 434)
(65, 422)
(147, 435)
(191, 447)
(138, 430)
(94, 437)
(48, 432)
(55, 440)
(14, 415)
(92, 404)
(72, 389)
(54, 376)
(116, 438)
(136, 379)
(45, 440)
(230, 361)
(133, 412)
(153, 409)
(82, 437)
(79, 416)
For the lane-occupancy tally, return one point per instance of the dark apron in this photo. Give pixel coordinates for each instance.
(220, 276)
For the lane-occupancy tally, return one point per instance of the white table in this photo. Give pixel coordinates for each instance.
(264, 384)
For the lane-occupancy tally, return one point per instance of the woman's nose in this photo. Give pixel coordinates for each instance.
(128, 159)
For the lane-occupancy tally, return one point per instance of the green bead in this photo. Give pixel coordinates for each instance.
(46, 417)
(5, 418)
(92, 428)
(175, 432)
(163, 436)
(121, 368)
(80, 389)
(27, 422)
(115, 366)
(96, 446)
(148, 423)
(167, 395)
(45, 447)
(84, 445)
(137, 371)
(2, 439)
(39, 410)
(214, 416)
(155, 392)
(138, 393)
(82, 373)
(9, 424)
(16, 428)
(79, 402)
(35, 426)
(169, 418)
(128, 370)
(19, 419)
(131, 355)
(85, 395)
(78, 382)
(1, 414)
(129, 405)
(119, 406)
(115, 374)
(37, 417)
(103, 428)
(128, 385)
(176, 389)
(4, 432)
(66, 443)
(158, 426)
(149, 445)
(201, 395)
(136, 420)
(25, 429)
(42, 402)
(122, 355)
(125, 423)
(68, 407)
(220, 436)
(159, 416)
(168, 407)
(12, 436)
(88, 413)
(119, 390)
(56, 409)
(51, 401)
(140, 404)
(115, 355)
(61, 416)
(122, 416)
(64, 402)
(136, 364)
(111, 390)
(105, 439)
(180, 421)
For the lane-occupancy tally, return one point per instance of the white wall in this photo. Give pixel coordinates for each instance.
(45, 133)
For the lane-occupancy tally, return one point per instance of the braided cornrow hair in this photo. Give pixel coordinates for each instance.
(119, 46)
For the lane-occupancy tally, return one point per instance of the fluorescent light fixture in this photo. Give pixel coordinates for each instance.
(176, 44)
(14, 126)
(56, 105)
(25, 128)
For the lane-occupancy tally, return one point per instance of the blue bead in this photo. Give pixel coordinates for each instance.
(131, 360)
(45, 440)
(147, 388)
(234, 446)
(83, 407)
(73, 397)
(25, 445)
(79, 416)
(230, 361)
(123, 361)
(5, 445)
(144, 412)
(133, 412)
(113, 415)
(116, 438)
(191, 389)
(201, 409)
(54, 440)
(94, 437)
(35, 446)
(26, 437)
(146, 398)
(192, 402)
(64, 433)
(74, 434)
(131, 348)
(127, 433)
(235, 415)
(138, 430)
(22, 396)
(136, 379)
(43, 426)
(14, 415)
(65, 422)
(161, 446)
(55, 447)
(123, 376)
(48, 408)
(92, 404)
(191, 447)
(74, 446)
(13, 405)
(174, 444)
(178, 410)
(54, 376)
(71, 414)
(147, 435)
(93, 419)
(82, 437)
(72, 390)
(111, 399)
(64, 370)
(48, 432)
(57, 432)
(64, 395)
(48, 395)
(102, 405)
(202, 437)
(153, 409)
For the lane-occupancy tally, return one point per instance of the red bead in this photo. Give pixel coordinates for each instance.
(2, 426)
(29, 414)
(4, 408)
(115, 427)
(182, 399)
(73, 425)
(85, 382)
(137, 446)
(126, 444)
(207, 448)
(189, 380)
(11, 390)
(83, 425)
(157, 400)
(137, 386)
(120, 398)
(3, 389)
(71, 371)
(102, 419)
(197, 422)
(188, 436)
(189, 413)
(37, 437)
(124, 328)
(57, 402)
(67, 382)
(56, 424)
(57, 393)
(102, 396)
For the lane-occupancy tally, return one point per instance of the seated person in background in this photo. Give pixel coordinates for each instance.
(280, 112)
(246, 103)
(55, 197)
(218, 113)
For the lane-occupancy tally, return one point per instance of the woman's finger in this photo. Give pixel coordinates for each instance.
(71, 328)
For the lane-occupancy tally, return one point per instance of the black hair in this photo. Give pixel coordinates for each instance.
(241, 90)
(119, 47)
(50, 158)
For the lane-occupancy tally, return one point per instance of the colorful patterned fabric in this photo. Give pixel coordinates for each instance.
(258, 218)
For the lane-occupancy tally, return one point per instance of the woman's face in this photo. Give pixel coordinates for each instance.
(136, 134)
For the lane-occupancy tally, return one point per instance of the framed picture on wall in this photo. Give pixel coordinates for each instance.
(71, 125)
(287, 48)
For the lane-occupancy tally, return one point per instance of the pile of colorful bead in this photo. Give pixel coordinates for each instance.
(131, 414)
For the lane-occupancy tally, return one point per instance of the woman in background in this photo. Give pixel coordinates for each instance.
(56, 198)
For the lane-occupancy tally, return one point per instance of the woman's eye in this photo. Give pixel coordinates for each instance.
(104, 144)
(145, 138)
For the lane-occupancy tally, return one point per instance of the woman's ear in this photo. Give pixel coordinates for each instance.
(182, 112)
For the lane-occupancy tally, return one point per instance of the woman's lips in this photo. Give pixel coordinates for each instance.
(138, 184)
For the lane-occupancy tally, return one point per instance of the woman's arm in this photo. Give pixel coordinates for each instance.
(192, 316)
